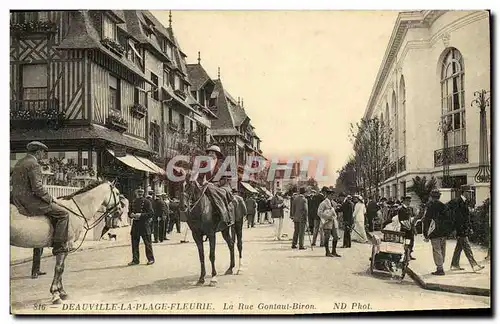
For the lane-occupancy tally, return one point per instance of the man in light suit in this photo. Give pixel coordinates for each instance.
(32, 199)
(299, 213)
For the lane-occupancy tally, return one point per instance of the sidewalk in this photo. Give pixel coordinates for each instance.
(463, 282)
(22, 255)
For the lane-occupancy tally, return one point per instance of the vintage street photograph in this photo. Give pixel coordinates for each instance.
(257, 162)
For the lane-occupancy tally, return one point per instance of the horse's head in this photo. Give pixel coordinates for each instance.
(112, 200)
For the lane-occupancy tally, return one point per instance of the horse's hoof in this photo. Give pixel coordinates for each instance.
(63, 296)
(56, 301)
(229, 271)
(240, 271)
(200, 283)
(213, 283)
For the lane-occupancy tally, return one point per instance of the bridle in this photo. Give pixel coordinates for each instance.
(189, 210)
(88, 226)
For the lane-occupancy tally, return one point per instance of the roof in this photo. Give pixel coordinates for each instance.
(223, 131)
(225, 118)
(405, 20)
(198, 76)
(76, 133)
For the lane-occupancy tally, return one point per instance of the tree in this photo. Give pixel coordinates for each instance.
(346, 180)
(422, 188)
(371, 143)
(311, 182)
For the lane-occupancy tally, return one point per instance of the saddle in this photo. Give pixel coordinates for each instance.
(36, 231)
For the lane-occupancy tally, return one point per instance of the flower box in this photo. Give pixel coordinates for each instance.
(115, 121)
(138, 111)
(113, 46)
(180, 94)
(33, 27)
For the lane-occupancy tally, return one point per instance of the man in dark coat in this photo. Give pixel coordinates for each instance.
(317, 199)
(161, 213)
(299, 213)
(251, 205)
(371, 212)
(459, 208)
(32, 199)
(405, 214)
(436, 228)
(347, 208)
(142, 213)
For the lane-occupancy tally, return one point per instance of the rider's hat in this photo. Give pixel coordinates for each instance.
(35, 146)
(216, 150)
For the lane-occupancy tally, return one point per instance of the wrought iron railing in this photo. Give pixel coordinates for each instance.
(41, 109)
(452, 155)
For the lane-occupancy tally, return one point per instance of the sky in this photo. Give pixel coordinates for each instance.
(304, 76)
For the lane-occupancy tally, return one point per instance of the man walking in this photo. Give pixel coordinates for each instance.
(164, 222)
(371, 212)
(436, 228)
(460, 211)
(327, 214)
(141, 213)
(251, 209)
(32, 199)
(160, 214)
(299, 214)
(277, 211)
(347, 209)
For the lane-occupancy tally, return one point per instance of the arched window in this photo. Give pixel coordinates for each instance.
(402, 95)
(388, 125)
(394, 104)
(452, 96)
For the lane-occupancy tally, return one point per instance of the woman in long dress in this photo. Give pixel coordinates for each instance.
(359, 233)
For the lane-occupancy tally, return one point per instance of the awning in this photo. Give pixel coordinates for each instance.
(248, 187)
(133, 162)
(151, 165)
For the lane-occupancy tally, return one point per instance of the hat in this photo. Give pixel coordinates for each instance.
(435, 193)
(216, 149)
(359, 197)
(35, 146)
(302, 190)
(329, 191)
(406, 198)
(163, 194)
(324, 189)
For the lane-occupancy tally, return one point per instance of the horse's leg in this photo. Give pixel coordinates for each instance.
(230, 244)
(239, 236)
(211, 240)
(198, 239)
(62, 293)
(54, 288)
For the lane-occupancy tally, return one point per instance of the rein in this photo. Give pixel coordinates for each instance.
(189, 210)
(86, 226)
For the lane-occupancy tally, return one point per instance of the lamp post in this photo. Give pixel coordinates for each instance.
(445, 128)
(483, 176)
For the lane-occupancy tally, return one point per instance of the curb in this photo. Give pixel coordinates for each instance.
(447, 288)
(81, 249)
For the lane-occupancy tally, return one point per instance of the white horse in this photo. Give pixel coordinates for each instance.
(82, 206)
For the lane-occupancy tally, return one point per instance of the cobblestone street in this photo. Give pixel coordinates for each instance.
(274, 274)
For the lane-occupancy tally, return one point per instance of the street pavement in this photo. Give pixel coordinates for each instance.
(274, 276)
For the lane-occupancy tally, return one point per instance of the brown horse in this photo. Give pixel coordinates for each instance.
(200, 220)
(83, 205)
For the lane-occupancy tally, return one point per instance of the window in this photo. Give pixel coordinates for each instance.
(134, 53)
(194, 94)
(155, 91)
(34, 81)
(114, 93)
(177, 82)
(191, 126)
(169, 114)
(402, 147)
(166, 78)
(183, 122)
(140, 97)
(212, 102)
(108, 28)
(202, 98)
(452, 96)
(154, 135)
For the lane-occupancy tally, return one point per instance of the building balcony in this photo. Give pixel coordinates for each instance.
(113, 46)
(33, 27)
(452, 155)
(35, 112)
(115, 121)
(402, 164)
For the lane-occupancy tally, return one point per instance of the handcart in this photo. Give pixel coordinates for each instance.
(390, 254)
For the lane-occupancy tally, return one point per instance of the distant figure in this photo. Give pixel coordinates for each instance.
(278, 211)
(251, 210)
(347, 209)
(299, 213)
(371, 212)
(359, 232)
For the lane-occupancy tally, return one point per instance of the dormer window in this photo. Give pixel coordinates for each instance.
(108, 28)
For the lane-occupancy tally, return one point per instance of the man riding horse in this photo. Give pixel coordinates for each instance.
(32, 199)
(218, 190)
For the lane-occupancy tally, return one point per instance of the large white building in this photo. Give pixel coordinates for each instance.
(434, 63)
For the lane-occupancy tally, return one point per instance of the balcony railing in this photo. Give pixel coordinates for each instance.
(34, 112)
(452, 155)
(402, 164)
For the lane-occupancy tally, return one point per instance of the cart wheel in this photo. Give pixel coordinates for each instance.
(405, 263)
(372, 260)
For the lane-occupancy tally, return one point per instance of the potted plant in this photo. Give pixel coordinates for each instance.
(422, 188)
(138, 111)
(113, 46)
(115, 121)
